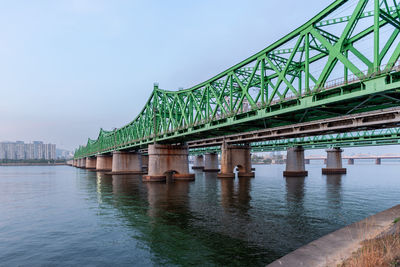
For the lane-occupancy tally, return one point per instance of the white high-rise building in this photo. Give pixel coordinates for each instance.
(2, 151)
(21, 151)
(29, 151)
(10, 150)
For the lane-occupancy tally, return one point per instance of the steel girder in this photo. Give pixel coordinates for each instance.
(381, 137)
(285, 83)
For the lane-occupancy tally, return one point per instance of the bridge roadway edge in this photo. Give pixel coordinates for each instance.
(333, 248)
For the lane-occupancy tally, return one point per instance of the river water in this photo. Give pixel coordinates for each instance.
(65, 216)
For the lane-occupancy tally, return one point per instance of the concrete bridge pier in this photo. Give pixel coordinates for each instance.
(198, 163)
(145, 163)
(91, 163)
(295, 166)
(82, 163)
(166, 160)
(104, 162)
(233, 156)
(211, 162)
(124, 162)
(78, 163)
(378, 161)
(334, 162)
(350, 161)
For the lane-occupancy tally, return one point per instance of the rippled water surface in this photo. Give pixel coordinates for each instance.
(66, 216)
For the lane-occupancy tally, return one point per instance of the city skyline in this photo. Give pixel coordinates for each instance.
(20, 150)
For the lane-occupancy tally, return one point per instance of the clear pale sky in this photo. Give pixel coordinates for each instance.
(69, 67)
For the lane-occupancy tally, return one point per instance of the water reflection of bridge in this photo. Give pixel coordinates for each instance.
(198, 221)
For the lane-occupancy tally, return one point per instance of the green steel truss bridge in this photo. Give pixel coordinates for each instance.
(342, 62)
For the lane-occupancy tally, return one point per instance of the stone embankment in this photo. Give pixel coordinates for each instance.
(335, 248)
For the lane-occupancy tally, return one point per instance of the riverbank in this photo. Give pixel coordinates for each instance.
(384, 250)
(345, 246)
(33, 164)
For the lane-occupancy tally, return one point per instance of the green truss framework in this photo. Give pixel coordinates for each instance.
(293, 80)
(390, 136)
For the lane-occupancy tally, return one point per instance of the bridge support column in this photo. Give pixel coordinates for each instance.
(103, 162)
(334, 162)
(295, 166)
(90, 163)
(124, 162)
(350, 161)
(83, 163)
(198, 163)
(145, 163)
(233, 156)
(165, 159)
(211, 162)
(378, 161)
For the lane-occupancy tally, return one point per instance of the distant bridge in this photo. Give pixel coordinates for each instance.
(350, 159)
(337, 73)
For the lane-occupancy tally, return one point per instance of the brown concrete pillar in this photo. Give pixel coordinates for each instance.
(295, 162)
(104, 162)
(350, 161)
(164, 159)
(90, 163)
(334, 162)
(378, 161)
(233, 156)
(145, 163)
(211, 162)
(83, 163)
(124, 162)
(198, 162)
